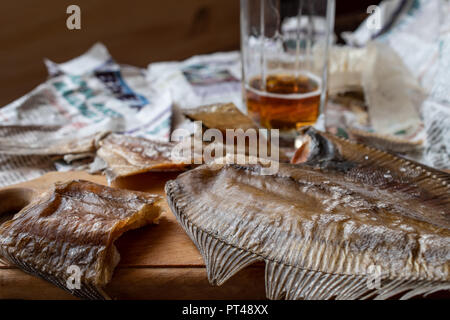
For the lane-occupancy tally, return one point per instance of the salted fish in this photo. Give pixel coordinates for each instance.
(387, 142)
(127, 155)
(327, 228)
(46, 140)
(73, 227)
(226, 117)
(220, 116)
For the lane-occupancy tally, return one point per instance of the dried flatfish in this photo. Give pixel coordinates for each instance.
(127, 155)
(330, 227)
(46, 140)
(220, 116)
(223, 116)
(74, 225)
(386, 142)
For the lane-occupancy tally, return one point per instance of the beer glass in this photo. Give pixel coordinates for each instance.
(284, 48)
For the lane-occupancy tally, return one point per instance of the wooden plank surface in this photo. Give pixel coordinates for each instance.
(157, 261)
(135, 32)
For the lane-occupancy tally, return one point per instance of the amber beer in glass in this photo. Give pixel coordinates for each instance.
(284, 48)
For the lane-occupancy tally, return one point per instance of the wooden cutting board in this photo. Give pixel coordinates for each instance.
(157, 261)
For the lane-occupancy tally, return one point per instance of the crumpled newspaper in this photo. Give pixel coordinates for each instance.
(388, 116)
(419, 32)
(83, 99)
(199, 80)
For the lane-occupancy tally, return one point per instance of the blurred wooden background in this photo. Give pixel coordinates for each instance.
(135, 31)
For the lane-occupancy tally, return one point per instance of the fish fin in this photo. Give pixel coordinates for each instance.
(222, 260)
(425, 289)
(283, 281)
(87, 292)
(292, 283)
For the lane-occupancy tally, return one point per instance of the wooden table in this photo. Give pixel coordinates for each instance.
(157, 261)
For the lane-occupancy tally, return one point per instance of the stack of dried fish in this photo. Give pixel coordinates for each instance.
(338, 218)
(124, 155)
